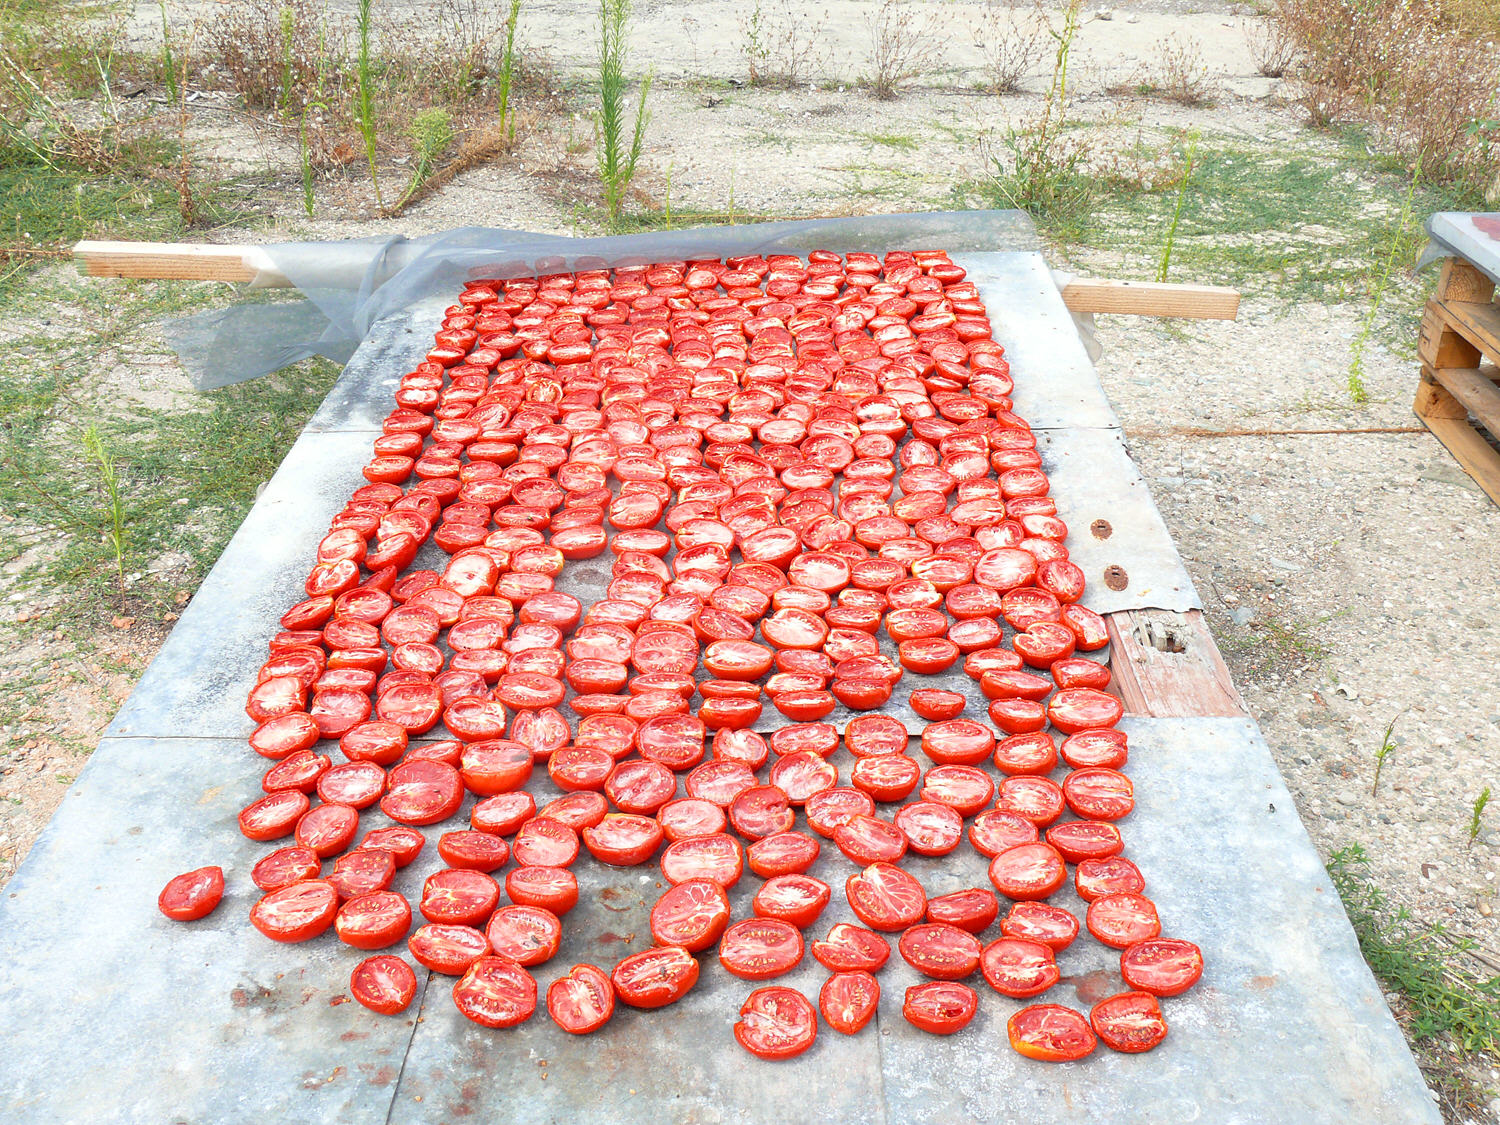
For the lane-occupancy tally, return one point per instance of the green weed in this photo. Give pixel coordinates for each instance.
(617, 161)
(508, 71)
(1187, 178)
(114, 531)
(305, 158)
(1418, 961)
(364, 117)
(1357, 389)
(1475, 817)
(1387, 748)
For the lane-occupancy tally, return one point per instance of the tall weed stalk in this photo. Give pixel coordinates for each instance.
(1357, 389)
(617, 160)
(508, 71)
(115, 531)
(365, 99)
(1182, 190)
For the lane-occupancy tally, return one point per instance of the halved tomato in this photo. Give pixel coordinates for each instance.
(939, 950)
(885, 897)
(941, 1007)
(496, 992)
(692, 914)
(1051, 1033)
(655, 977)
(1162, 966)
(760, 948)
(1131, 1022)
(384, 984)
(776, 1023)
(849, 1001)
(583, 1001)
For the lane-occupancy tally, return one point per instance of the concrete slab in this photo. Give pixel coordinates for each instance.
(120, 1015)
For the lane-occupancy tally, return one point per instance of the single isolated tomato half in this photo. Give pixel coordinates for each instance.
(776, 1023)
(192, 895)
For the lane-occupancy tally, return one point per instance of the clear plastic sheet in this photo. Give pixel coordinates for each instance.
(351, 285)
(1474, 238)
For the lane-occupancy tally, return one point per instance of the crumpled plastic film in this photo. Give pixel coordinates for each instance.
(350, 285)
(1473, 237)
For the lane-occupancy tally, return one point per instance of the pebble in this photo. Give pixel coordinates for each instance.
(1345, 797)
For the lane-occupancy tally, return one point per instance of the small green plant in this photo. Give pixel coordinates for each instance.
(1182, 190)
(1357, 389)
(617, 160)
(305, 158)
(508, 71)
(757, 48)
(781, 47)
(168, 63)
(431, 132)
(1046, 175)
(114, 530)
(364, 106)
(1417, 961)
(1387, 748)
(1475, 817)
(288, 18)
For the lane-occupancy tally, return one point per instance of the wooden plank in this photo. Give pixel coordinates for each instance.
(1167, 665)
(1438, 345)
(1150, 298)
(1458, 280)
(1477, 321)
(1474, 392)
(182, 260)
(1434, 401)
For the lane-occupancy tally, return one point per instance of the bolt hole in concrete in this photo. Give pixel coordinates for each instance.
(1116, 578)
(1102, 529)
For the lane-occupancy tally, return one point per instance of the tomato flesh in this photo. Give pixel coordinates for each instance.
(776, 1023)
(192, 895)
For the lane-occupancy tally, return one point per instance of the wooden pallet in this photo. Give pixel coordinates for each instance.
(1166, 665)
(1459, 346)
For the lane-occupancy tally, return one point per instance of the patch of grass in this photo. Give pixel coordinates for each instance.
(1297, 225)
(1444, 1000)
(1476, 816)
(901, 142)
(184, 475)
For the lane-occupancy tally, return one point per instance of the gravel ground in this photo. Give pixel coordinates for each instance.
(1352, 579)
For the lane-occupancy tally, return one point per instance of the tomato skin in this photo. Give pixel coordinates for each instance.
(192, 895)
(496, 992)
(849, 1001)
(583, 1001)
(384, 984)
(940, 1007)
(1131, 1022)
(776, 1023)
(1162, 966)
(654, 978)
(1051, 1033)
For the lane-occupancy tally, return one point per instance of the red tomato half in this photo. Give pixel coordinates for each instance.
(760, 948)
(885, 897)
(496, 992)
(849, 1001)
(1051, 1033)
(656, 977)
(776, 1023)
(583, 1001)
(692, 915)
(1028, 871)
(939, 950)
(296, 913)
(940, 1006)
(384, 984)
(1162, 966)
(193, 894)
(797, 899)
(1131, 1022)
